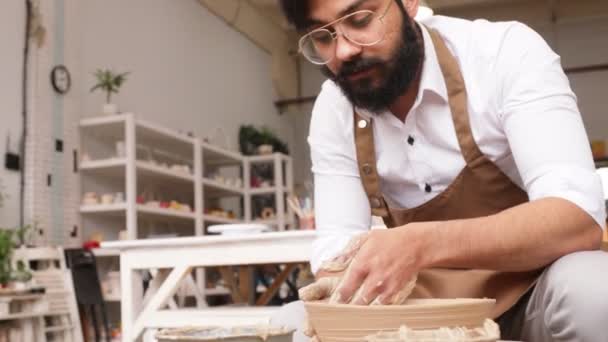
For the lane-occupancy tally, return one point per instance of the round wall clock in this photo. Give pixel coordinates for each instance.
(60, 79)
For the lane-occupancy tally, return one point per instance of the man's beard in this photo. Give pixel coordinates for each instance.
(392, 77)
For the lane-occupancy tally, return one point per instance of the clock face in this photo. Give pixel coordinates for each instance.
(60, 78)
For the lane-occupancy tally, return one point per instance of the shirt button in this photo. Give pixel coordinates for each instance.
(362, 124)
(428, 188)
(410, 140)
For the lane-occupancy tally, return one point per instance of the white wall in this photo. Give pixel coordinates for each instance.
(12, 22)
(190, 71)
(580, 37)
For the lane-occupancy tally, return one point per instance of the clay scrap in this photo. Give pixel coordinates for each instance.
(489, 332)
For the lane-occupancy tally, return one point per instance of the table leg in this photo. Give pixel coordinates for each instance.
(276, 284)
(247, 284)
(132, 295)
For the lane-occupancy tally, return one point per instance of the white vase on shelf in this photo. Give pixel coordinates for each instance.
(110, 109)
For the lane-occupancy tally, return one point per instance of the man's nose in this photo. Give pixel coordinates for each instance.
(345, 49)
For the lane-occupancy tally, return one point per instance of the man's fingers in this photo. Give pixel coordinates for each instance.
(319, 290)
(351, 282)
(397, 294)
(369, 291)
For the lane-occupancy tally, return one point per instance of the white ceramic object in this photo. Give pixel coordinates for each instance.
(107, 199)
(119, 197)
(338, 323)
(121, 151)
(265, 149)
(90, 198)
(238, 229)
(110, 109)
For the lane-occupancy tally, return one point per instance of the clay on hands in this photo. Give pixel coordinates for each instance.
(327, 286)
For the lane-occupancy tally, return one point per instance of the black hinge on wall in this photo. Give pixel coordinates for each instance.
(75, 160)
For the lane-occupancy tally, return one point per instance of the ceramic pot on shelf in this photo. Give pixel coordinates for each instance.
(110, 109)
(265, 149)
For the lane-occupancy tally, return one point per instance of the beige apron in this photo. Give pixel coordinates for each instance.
(481, 189)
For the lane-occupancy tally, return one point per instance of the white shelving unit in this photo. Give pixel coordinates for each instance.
(134, 173)
(206, 186)
(282, 186)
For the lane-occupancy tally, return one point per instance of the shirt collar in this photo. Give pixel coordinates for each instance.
(431, 80)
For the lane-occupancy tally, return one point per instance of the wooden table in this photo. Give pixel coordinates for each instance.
(177, 257)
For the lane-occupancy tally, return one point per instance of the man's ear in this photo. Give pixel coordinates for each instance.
(411, 7)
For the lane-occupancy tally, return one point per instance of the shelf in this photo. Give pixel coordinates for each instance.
(214, 155)
(265, 191)
(220, 220)
(150, 134)
(108, 168)
(58, 328)
(103, 120)
(108, 126)
(269, 158)
(153, 172)
(120, 210)
(105, 252)
(218, 189)
(104, 209)
(146, 171)
(113, 298)
(103, 164)
(165, 213)
(24, 315)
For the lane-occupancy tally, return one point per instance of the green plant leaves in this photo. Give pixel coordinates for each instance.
(109, 82)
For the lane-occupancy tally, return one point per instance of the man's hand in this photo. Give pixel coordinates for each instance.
(384, 269)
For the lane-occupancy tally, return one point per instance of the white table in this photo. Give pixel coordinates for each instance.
(181, 256)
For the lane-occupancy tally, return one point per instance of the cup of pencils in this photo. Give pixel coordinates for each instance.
(304, 210)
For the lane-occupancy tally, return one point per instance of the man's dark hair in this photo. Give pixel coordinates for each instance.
(296, 12)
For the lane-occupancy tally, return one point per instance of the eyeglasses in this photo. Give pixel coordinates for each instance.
(364, 28)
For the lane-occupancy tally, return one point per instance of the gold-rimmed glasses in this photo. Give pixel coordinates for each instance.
(364, 28)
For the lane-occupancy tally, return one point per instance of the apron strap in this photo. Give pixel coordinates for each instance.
(457, 95)
(366, 158)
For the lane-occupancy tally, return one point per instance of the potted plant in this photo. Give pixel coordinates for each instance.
(253, 141)
(6, 251)
(110, 83)
(10, 239)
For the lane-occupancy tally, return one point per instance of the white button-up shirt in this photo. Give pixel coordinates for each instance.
(524, 117)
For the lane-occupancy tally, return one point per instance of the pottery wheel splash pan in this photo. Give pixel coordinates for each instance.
(335, 323)
(219, 334)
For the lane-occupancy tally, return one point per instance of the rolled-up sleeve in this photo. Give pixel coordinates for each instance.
(544, 126)
(341, 206)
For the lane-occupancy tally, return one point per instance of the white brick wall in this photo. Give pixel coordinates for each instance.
(54, 208)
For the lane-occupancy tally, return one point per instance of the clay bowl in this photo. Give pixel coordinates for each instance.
(346, 323)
